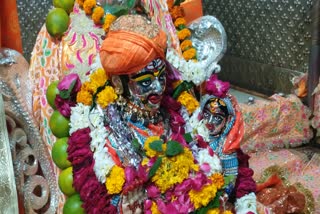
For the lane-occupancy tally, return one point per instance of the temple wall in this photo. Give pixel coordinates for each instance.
(268, 40)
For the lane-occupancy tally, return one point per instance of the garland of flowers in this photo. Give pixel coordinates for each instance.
(97, 13)
(195, 174)
(189, 52)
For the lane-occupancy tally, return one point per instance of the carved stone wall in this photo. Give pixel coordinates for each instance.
(268, 41)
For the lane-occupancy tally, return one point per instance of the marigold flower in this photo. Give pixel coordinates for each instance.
(218, 180)
(84, 97)
(80, 2)
(88, 5)
(97, 14)
(99, 77)
(106, 96)
(115, 180)
(204, 196)
(174, 170)
(227, 212)
(214, 211)
(179, 21)
(176, 12)
(186, 44)
(183, 34)
(109, 19)
(150, 152)
(154, 208)
(189, 54)
(188, 101)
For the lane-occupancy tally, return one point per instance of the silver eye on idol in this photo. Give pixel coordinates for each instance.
(215, 114)
(147, 86)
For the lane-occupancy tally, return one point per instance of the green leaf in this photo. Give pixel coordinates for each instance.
(228, 179)
(65, 94)
(155, 167)
(136, 145)
(179, 89)
(131, 3)
(156, 145)
(116, 10)
(173, 148)
(181, 27)
(178, 2)
(188, 137)
(212, 204)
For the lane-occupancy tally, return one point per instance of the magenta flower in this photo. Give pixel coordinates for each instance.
(64, 105)
(217, 87)
(68, 81)
(153, 191)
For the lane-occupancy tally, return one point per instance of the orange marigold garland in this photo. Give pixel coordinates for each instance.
(98, 13)
(177, 14)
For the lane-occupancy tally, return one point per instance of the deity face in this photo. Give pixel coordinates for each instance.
(215, 115)
(147, 86)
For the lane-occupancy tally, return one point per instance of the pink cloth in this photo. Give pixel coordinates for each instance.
(282, 122)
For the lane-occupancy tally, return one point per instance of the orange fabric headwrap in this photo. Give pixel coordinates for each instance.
(124, 52)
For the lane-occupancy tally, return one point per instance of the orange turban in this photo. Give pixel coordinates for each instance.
(125, 52)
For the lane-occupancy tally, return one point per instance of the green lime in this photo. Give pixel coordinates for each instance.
(59, 125)
(73, 205)
(65, 181)
(52, 92)
(67, 5)
(59, 153)
(57, 22)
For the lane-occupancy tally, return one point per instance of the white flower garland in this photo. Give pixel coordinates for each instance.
(196, 72)
(197, 126)
(204, 157)
(247, 203)
(80, 118)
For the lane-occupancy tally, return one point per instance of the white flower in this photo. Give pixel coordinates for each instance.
(79, 118)
(204, 157)
(247, 203)
(196, 72)
(103, 164)
(199, 126)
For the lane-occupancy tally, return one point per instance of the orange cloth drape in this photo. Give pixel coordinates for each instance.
(9, 26)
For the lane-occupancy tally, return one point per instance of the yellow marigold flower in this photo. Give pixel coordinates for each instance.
(88, 5)
(218, 180)
(188, 101)
(115, 180)
(84, 97)
(214, 211)
(227, 212)
(184, 33)
(150, 152)
(174, 170)
(189, 54)
(204, 196)
(180, 21)
(109, 19)
(186, 44)
(80, 2)
(99, 77)
(97, 14)
(106, 96)
(154, 208)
